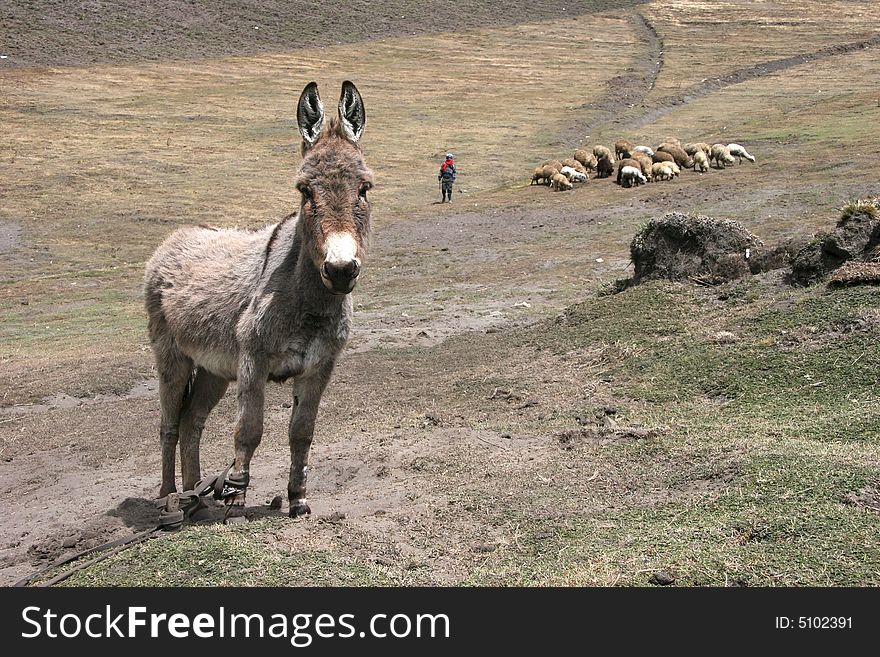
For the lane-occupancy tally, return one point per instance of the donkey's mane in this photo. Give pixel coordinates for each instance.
(273, 237)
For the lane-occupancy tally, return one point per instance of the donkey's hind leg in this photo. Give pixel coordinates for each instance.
(175, 371)
(207, 389)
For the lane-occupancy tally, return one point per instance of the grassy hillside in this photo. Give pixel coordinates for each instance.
(57, 33)
(741, 448)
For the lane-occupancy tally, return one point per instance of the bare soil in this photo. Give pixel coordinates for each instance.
(96, 33)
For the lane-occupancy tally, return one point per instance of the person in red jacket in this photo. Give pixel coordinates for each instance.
(447, 177)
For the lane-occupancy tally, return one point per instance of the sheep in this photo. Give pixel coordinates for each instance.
(670, 141)
(543, 173)
(690, 149)
(604, 167)
(560, 183)
(573, 174)
(721, 155)
(662, 156)
(623, 148)
(740, 152)
(700, 160)
(681, 158)
(662, 171)
(574, 164)
(644, 161)
(673, 167)
(647, 150)
(603, 151)
(626, 162)
(556, 164)
(586, 158)
(630, 175)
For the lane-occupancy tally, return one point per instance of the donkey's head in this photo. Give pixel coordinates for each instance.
(333, 181)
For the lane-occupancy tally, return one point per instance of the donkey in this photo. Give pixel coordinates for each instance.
(270, 304)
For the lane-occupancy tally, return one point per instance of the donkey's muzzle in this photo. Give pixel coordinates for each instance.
(340, 277)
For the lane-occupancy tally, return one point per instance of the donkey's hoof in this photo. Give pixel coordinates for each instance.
(299, 508)
(235, 500)
(165, 491)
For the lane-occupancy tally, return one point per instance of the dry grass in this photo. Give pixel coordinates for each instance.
(102, 163)
(125, 151)
(710, 39)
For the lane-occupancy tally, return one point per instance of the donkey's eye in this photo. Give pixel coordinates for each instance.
(305, 191)
(365, 187)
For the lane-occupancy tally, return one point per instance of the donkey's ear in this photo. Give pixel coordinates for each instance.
(310, 114)
(351, 112)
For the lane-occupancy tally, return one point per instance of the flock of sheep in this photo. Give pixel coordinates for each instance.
(637, 165)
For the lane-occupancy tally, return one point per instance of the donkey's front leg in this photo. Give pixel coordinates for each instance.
(307, 393)
(249, 427)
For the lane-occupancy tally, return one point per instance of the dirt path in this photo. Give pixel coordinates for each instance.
(624, 105)
(654, 110)
(623, 91)
(9, 236)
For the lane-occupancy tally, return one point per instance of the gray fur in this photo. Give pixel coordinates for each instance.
(262, 305)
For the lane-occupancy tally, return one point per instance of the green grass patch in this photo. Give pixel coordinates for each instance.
(73, 319)
(785, 522)
(233, 555)
(746, 484)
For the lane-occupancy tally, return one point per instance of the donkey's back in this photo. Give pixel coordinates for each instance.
(197, 285)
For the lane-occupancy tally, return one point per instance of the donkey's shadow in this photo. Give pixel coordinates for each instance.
(141, 514)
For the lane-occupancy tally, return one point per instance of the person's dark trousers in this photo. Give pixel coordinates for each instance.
(447, 190)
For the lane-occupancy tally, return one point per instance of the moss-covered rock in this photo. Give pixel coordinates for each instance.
(692, 247)
(856, 237)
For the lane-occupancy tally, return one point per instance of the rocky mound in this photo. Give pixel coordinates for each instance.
(680, 246)
(856, 273)
(855, 238)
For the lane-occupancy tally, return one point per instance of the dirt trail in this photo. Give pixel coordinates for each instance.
(10, 236)
(623, 91)
(624, 105)
(654, 110)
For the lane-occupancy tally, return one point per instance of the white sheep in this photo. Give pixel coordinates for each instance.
(647, 150)
(630, 176)
(573, 175)
(700, 160)
(740, 152)
(574, 164)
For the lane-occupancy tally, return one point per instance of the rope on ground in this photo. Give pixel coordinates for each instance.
(171, 519)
